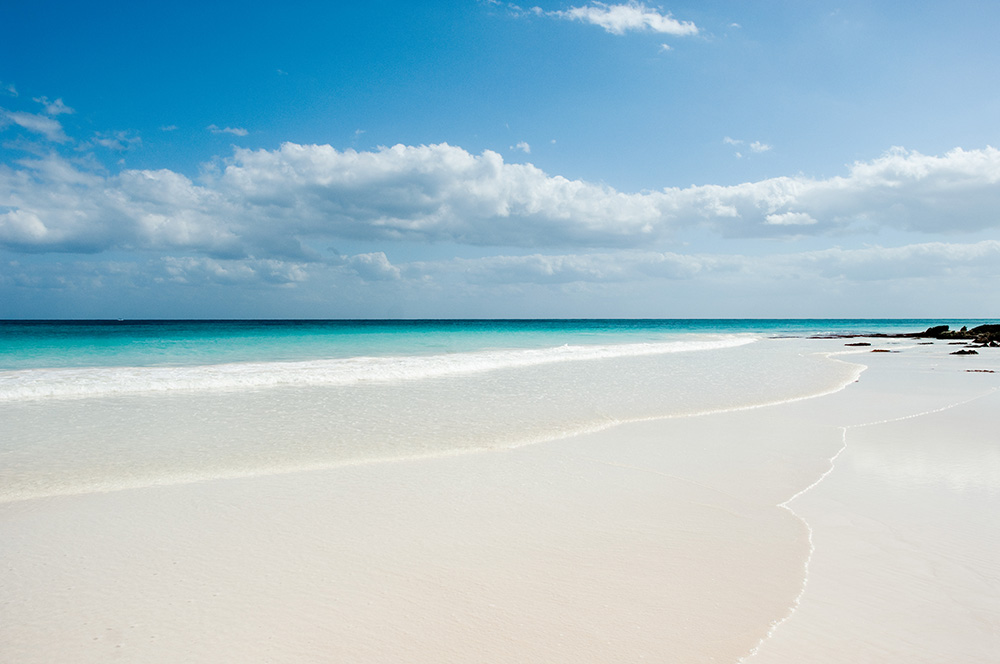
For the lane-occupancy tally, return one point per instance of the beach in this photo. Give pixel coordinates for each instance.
(841, 510)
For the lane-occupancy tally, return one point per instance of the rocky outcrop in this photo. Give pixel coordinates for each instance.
(986, 335)
(982, 336)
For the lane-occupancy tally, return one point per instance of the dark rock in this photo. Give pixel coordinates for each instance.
(881, 350)
(984, 334)
(936, 332)
(966, 352)
(859, 343)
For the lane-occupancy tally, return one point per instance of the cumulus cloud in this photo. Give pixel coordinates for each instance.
(35, 123)
(522, 146)
(278, 203)
(373, 267)
(757, 146)
(235, 131)
(634, 16)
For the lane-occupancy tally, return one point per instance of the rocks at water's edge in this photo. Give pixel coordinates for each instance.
(982, 336)
(985, 335)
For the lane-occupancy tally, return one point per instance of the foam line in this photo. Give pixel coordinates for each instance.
(34, 384)
(786, 505)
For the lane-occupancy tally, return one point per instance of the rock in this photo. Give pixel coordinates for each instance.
(982, 334)
(936, 332)
(966, 352)
(985, 334)
(860, 343)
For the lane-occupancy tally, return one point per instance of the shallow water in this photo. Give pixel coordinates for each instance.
(100, 405)
(95, 431)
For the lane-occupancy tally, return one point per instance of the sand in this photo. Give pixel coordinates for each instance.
(857, 526)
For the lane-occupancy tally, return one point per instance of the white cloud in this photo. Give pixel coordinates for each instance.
(619, 19)
(172, 127)
(116, 140)
(200, 270)
(235, 131)
(665, 47)
(789, 219)
(926, 261)
(614, 267)
(951, 271)
(522, 146)
(278, 203)
(8, 89)
(755, 146)
(35, 123)
(373, 267)
(56, 107)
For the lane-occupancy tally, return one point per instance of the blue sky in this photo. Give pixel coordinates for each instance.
(485, 159)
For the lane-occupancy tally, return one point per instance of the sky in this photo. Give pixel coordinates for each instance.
(484, 159)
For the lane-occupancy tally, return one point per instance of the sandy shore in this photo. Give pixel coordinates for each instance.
(858, 526)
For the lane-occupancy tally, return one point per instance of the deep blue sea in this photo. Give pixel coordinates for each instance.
(107, 405)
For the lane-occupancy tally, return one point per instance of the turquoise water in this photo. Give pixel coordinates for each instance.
(48, 344)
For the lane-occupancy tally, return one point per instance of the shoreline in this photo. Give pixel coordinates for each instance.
(151, 440)
(626, 543)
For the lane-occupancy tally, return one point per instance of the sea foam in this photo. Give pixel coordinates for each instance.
(35, 384)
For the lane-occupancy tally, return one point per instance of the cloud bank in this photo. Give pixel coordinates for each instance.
(277, 203)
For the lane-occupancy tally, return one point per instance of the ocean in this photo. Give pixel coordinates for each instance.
(92, 406)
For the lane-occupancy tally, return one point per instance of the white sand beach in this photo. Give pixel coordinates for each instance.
(857, 526)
